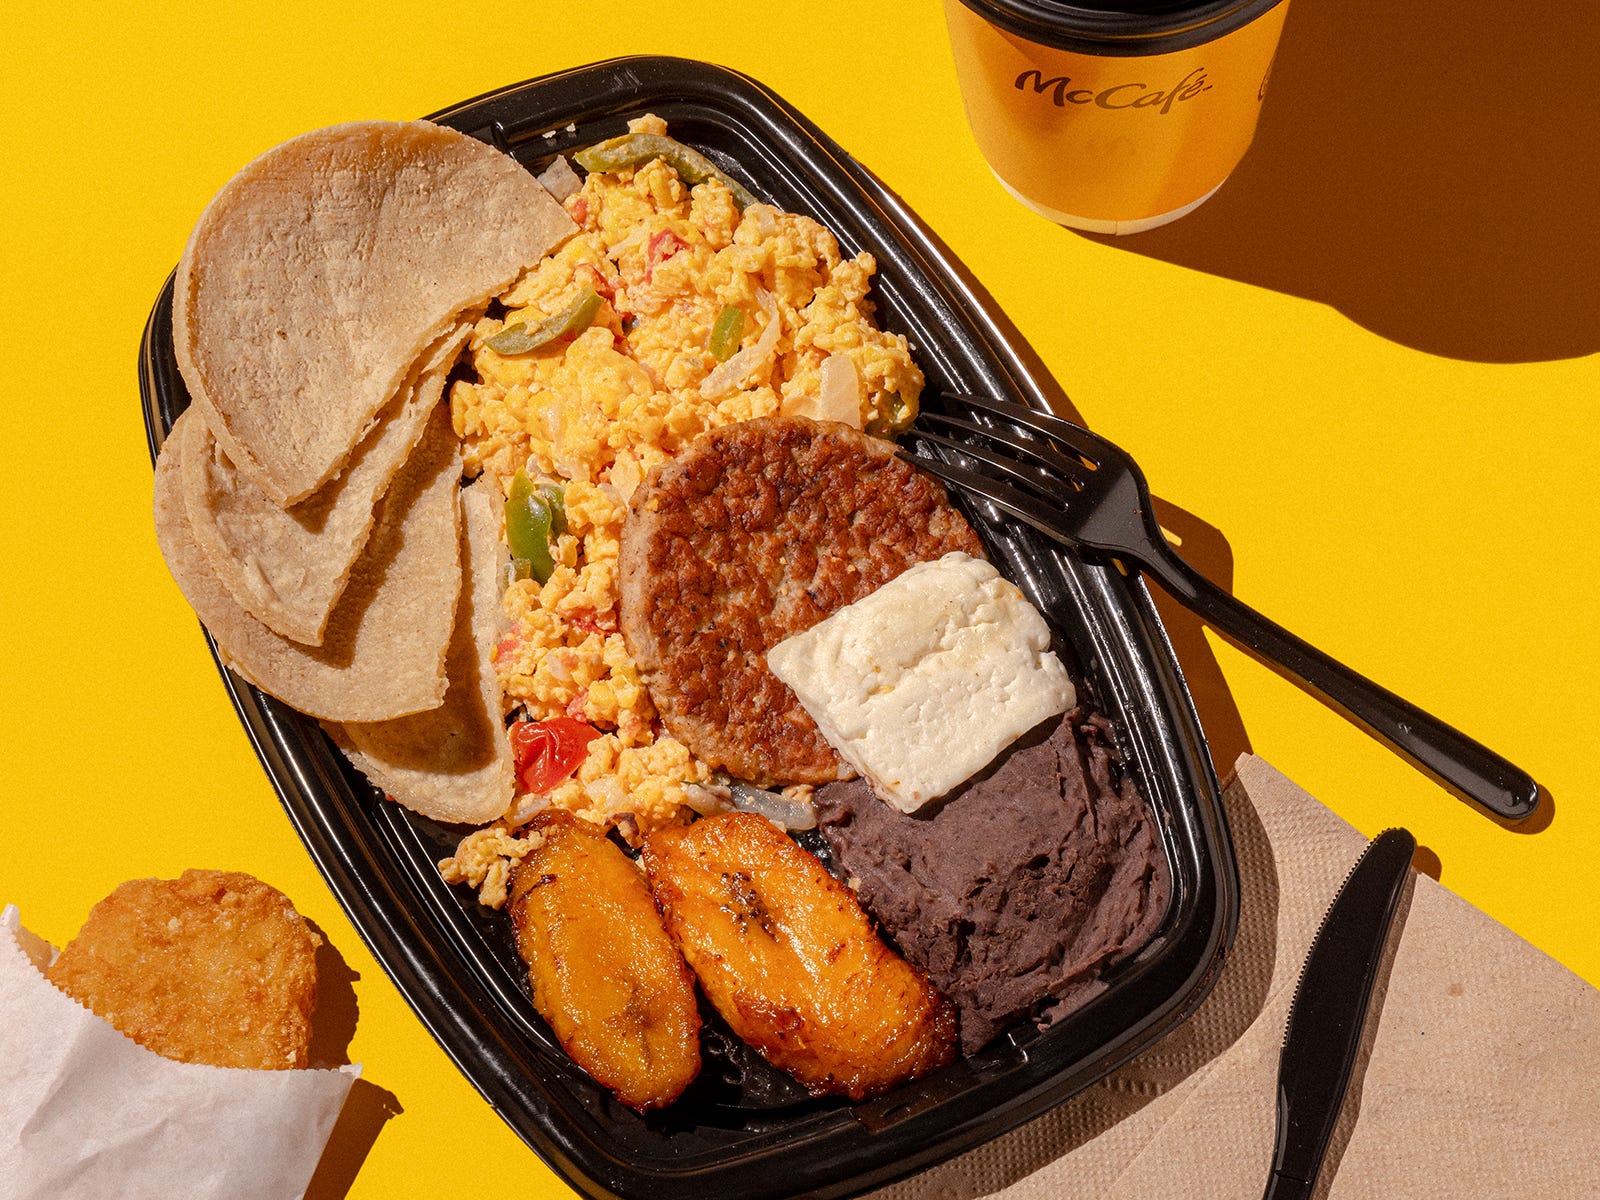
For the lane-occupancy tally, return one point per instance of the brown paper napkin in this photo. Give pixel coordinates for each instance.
(1480, 1079)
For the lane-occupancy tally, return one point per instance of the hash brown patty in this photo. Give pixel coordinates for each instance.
(755, 532)
(216, 967)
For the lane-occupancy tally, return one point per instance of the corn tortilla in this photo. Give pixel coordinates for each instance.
(317, 276)
(384, 650)
(288, 567)
(452, 763)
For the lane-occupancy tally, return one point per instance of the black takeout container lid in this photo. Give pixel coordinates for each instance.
(743, 1130)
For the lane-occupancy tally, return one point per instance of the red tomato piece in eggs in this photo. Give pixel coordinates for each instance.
(547, 752)
(661, 247)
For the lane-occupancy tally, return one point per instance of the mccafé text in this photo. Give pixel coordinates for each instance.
(1118, 95)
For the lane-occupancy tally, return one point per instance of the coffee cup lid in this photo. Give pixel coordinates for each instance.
(1120, 27)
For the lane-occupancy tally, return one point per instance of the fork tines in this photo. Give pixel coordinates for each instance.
(1083, 491)
(1030, 461)
(1057, 477)
(1042, 514)
(1090, 447)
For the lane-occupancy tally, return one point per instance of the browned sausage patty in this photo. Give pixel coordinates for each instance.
(757, 531)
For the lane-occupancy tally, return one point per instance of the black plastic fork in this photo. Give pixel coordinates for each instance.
(1079, 489)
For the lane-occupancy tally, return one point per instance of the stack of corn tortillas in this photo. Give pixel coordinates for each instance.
(308, 502)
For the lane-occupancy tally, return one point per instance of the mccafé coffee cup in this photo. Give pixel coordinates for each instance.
(1113, 115)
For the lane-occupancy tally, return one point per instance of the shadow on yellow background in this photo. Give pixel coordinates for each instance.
(1207, 549)
(1428, 170)
(369, 1107)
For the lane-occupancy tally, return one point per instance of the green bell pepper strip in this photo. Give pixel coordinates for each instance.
(534, 515)
(556, 496)
(569, 322)
(636, 149)
(726, 332)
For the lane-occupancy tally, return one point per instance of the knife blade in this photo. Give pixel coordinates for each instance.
(1329, 1011)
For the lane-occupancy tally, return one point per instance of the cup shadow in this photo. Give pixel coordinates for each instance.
(1429, 171)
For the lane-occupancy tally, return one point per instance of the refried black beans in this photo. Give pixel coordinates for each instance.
(1017, 891)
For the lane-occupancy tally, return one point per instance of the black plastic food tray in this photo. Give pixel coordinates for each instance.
(743, 1130)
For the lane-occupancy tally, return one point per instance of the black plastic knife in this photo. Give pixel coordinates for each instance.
(1330, 1009)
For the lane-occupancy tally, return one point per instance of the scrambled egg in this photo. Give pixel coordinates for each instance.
(595, 412)
(485, 859)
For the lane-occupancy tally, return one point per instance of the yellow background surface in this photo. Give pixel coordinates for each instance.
(1362, 379)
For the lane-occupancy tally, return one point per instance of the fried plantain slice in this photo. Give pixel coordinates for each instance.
(791, 962)
(605, 975)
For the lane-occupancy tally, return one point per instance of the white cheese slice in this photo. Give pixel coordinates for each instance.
(921, 684)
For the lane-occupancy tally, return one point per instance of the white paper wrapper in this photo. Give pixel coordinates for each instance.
(86, 1112)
